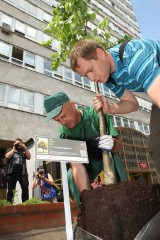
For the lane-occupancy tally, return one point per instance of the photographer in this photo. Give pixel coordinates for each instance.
(17, 169)
(45, 182)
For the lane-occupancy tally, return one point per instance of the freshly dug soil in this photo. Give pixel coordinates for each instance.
(118, 211)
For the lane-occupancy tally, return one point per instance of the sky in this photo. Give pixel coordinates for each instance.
(147, 13)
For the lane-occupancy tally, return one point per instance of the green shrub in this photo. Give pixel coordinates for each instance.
(4, 203)
(34, 201)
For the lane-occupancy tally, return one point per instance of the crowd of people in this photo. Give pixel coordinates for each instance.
(15, 160)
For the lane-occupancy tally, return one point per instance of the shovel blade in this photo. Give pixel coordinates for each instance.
(151, 231)
(81, 234)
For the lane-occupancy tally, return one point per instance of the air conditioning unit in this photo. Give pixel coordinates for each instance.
(6, 28)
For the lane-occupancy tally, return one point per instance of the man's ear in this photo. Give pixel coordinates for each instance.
(100, 53)
(72, 104)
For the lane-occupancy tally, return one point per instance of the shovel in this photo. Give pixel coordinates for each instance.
(81, 234)
(109, 177)
(151, 231)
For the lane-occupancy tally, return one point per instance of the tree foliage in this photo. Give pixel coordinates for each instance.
(69, 24)
(43, 145)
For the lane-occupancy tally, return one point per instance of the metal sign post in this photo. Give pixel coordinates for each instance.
(67, 208)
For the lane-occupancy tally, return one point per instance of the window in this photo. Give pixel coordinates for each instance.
(6, 19)
(30, 60)
(20, 28)
(149, 105)
(21, 4)
(44, 110)
(118, 121)
(46, 38)
(140, 125)
(146, 129)
(58, 73)
(12, 1)
(68, 75)
(32, 9)
(131, 123)
(86, 82)
(82, 81)
(78, 79)
(2, 88)
(47, 17)
(106, 91)
(14, 98)
(47, 68)
(48, 1)
(55, 44)
(28, 101)
(54, 3)
(4, 51)
(100, 86)
(31, 33)
(125, 122)
(17, 56)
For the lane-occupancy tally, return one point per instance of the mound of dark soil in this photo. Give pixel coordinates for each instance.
(118, 211)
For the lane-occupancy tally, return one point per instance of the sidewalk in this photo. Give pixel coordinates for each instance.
(58, 233)
(39, 234)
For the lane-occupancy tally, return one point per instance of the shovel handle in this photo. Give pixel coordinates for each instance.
(109, 177)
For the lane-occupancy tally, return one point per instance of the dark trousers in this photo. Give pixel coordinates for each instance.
(154, 138)
(12, 180)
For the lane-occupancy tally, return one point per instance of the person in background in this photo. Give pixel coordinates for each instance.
(17, 169)
(83, 124)
(137, 71)
(46, 184)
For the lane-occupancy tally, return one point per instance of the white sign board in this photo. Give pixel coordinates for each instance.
(58, 150)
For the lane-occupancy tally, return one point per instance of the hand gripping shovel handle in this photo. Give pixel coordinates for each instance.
(109, 177)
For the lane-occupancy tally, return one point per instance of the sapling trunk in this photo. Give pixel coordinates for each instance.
(109, 177)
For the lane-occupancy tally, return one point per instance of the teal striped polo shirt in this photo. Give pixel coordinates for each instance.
(140, 67)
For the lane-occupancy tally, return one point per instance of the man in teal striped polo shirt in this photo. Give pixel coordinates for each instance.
(138, 71)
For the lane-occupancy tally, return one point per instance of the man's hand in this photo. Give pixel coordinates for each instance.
(14, 148)
(105, 142)
(128, 103)
(100, 102)
(23, 146)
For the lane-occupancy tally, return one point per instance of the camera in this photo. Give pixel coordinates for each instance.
(17, 146)
(40, 173)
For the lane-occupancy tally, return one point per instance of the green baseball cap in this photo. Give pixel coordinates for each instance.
(53, 104)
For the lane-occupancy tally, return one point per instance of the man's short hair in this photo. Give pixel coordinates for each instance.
(86, 49)
(18, 139)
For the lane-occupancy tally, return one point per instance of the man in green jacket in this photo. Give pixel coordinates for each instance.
(83, 125)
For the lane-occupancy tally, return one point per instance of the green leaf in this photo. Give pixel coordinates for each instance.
(92, 16)
(68, 25)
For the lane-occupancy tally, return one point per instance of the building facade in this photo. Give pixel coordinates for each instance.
(27, 78)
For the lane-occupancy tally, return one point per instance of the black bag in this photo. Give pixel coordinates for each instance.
(59, 195)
